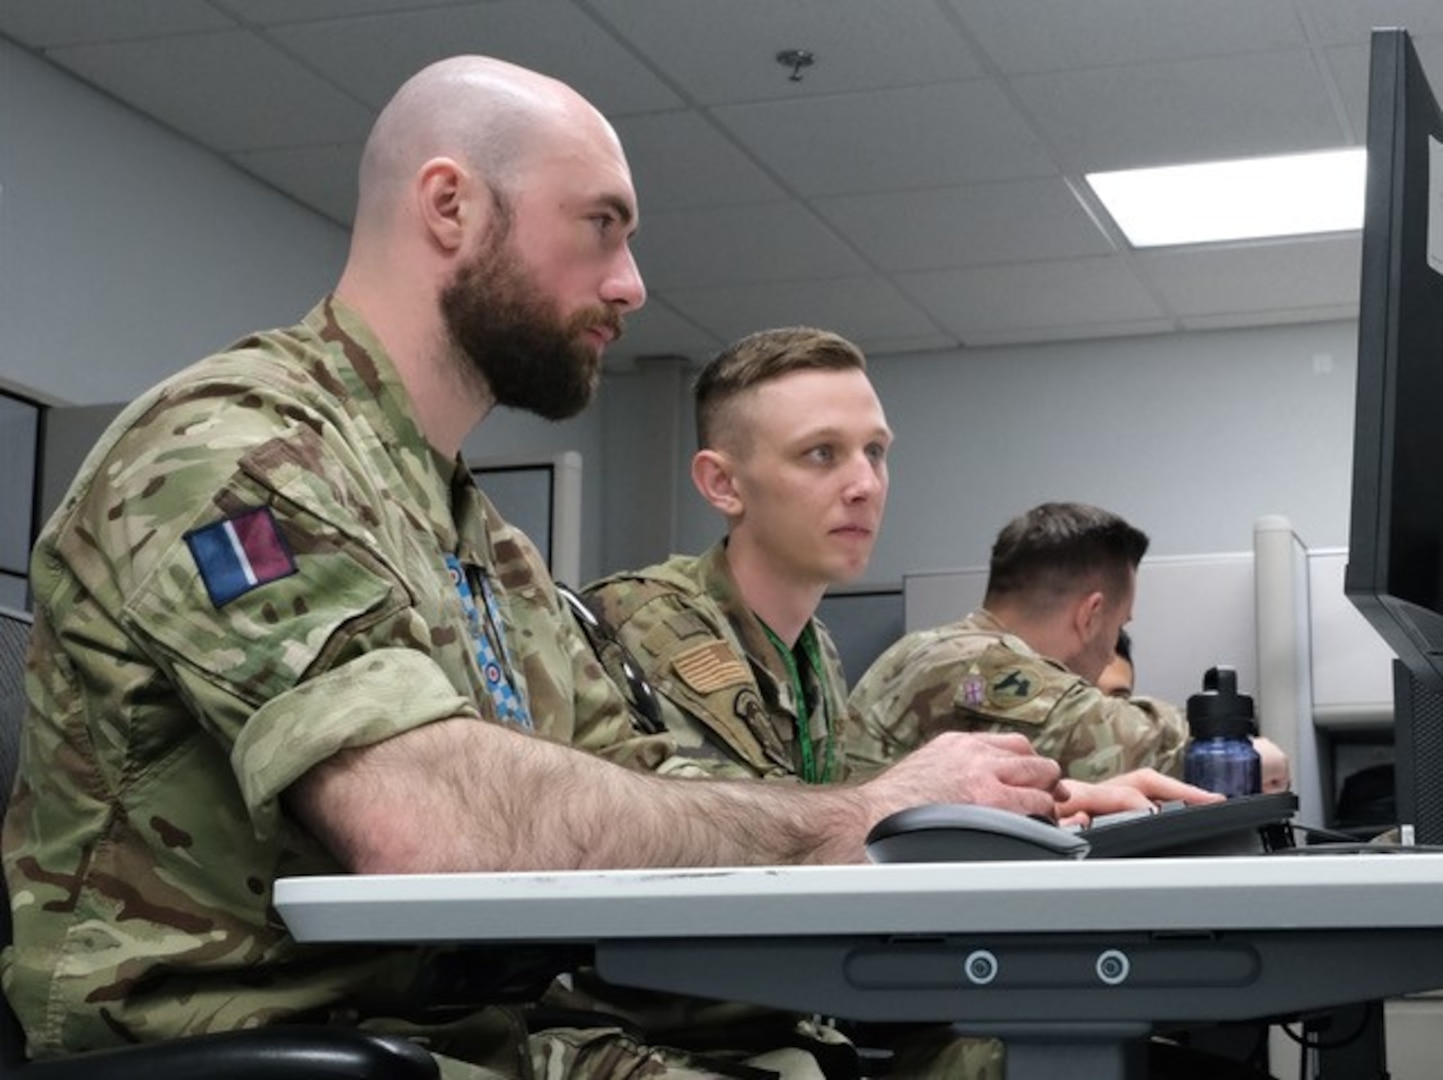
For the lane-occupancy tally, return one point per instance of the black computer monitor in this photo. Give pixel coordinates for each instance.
(1395, 545)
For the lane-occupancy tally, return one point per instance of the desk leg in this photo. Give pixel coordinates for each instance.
(1358, 1046)
(1074, 1051)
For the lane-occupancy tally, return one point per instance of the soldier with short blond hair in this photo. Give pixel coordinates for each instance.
(792, 451)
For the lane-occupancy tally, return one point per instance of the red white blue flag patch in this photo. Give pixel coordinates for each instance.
(238, 554)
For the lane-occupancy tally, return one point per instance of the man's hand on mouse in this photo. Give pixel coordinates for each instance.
(1000, 770)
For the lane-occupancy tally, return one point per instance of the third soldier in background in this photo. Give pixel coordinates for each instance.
(1060, 588)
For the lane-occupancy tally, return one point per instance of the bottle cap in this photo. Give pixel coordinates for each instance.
(1220, 712)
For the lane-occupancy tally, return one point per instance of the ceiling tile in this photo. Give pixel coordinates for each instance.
(46, 23)
(278, 12)
(920, 162)
(679, 160)
(996, 336)
(967, 226)
(724, 51)
(1192, 110)
(1312, 273)
(372, 55)
(868, 310)
(932, 136)
(1059, 35)
(229, 90)
(1349, 66)
(682, 249)
(1280, 317)
(1067, 296)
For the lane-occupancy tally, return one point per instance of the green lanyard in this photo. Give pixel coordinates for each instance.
(808, 643)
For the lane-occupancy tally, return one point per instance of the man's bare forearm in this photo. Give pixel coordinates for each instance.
(461, 795)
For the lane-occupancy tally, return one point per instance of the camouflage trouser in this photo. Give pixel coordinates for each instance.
(922, 1051)
(610, 1054)
(614, 1054)
(585, 1030)
(495, 1044)
(940, 1053)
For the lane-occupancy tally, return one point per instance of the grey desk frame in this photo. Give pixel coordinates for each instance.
(1072, 963)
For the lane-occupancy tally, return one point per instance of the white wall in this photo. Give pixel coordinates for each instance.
(126, 251)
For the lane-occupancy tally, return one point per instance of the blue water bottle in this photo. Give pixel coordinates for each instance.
(1220, 756)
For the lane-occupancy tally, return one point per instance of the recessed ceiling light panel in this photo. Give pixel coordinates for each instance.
(1236, 200)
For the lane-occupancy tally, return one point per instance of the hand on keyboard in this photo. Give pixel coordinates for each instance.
(1136, 812)
(1141, 790)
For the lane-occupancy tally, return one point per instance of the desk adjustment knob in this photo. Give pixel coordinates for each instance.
(1113, 966)
(980, 967)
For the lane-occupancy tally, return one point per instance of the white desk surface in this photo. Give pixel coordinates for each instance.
(1280, 892)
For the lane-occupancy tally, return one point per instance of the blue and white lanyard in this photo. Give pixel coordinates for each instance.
(509, 703)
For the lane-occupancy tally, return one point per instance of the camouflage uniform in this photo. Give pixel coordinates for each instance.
(166, 721)
(726, 695)
(975, 676)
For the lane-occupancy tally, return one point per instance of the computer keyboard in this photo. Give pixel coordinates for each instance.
(942, 832)
(1244, 824)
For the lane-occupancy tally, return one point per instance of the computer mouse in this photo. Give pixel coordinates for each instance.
(958, 832)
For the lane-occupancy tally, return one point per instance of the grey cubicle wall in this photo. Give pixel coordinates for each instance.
(1352, 664)
(1325, 674)
(862, 622)
(1350, 678)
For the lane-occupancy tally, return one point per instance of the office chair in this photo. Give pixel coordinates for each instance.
(616, 660)
(310, 1052)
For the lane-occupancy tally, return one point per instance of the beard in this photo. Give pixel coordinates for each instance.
(511, 339)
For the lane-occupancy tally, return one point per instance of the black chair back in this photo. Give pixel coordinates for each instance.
(14, 638)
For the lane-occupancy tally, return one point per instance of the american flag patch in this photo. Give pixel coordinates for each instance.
(709, 667)
(239, 553)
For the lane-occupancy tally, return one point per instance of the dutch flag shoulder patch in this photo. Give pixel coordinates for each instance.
(238, 553)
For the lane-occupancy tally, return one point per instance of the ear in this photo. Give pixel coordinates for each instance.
(441, 194)
(1087, 615)
(711, 472)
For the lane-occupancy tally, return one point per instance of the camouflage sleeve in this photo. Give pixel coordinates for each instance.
(710, 704)
(331, 653)
(890, 704)
(1091, 735)
(913, 693)
(1171, 734)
